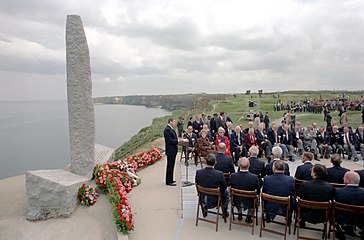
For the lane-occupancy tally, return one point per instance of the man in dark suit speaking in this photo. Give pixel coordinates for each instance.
(171, 141)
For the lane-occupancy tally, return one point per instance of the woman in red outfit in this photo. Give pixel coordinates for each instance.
(222, 138)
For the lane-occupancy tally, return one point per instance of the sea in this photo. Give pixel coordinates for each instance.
(34, 135)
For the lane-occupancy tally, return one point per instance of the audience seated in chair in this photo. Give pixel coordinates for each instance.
(244, 180)
(257, 166)
(212, 178)
(352, 194)
(203, 144)
(316, 190)
(278, 184)
(238, 144)
(192, 143)
(303, 172)
(224, 163)
(277, 152)
(221, 138)
(336, 173)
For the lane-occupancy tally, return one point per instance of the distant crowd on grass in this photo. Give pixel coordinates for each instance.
(318, 106)
(204, 133)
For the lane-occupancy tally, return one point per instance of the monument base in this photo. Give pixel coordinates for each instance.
(52, 193)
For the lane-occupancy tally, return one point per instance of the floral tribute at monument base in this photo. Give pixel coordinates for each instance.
(118, 178)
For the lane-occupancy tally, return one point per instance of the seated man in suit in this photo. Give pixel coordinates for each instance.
(277, 153)
(316, 190)
(297, 139)
(310, 140)
(360, 140)
(277, 184)
(212, 178)
(263, 142)
(323, 143)
(351, 194)
(336, 173)
(287, 141)
(244, 180)
(336, 140)
(192, 143)
(224, 163)
(361, 174)
(257, 166)
(274, 137)
(303, 172)
(238, 144)
(350, 143)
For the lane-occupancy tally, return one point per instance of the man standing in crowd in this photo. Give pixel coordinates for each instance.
(180, 124)
(171, 141)
(197, 125)
(244, 180)
(213, 124)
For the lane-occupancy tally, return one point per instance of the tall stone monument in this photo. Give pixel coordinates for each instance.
(80, 105)
(53, 193)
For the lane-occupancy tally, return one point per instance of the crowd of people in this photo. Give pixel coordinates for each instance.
(274, 179)
(224, 145)
(341, 103)
(204, 135)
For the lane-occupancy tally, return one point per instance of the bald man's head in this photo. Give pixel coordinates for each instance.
(221, 147)
(351, 178)
(244, 163)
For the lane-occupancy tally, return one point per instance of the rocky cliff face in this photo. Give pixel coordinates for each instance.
(168, 102)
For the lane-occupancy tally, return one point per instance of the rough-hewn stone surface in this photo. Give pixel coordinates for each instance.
(52, 193)
(80, 104)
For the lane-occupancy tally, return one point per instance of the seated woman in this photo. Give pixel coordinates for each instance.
(204, 145)
(222, 138)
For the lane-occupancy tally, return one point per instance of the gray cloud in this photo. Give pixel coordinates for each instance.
(151, 47)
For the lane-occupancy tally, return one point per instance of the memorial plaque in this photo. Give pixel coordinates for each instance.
(103, 154)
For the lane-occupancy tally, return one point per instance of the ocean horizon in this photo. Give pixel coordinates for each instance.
(34, 134)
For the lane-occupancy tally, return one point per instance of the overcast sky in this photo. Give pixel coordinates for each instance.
(165, 47)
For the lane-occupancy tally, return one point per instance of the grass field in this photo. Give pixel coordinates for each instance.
(236, 105)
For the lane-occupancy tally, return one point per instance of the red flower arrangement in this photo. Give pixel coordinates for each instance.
(87, 195)
(118, 178)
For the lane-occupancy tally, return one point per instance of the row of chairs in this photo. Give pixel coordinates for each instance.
(324, 206)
